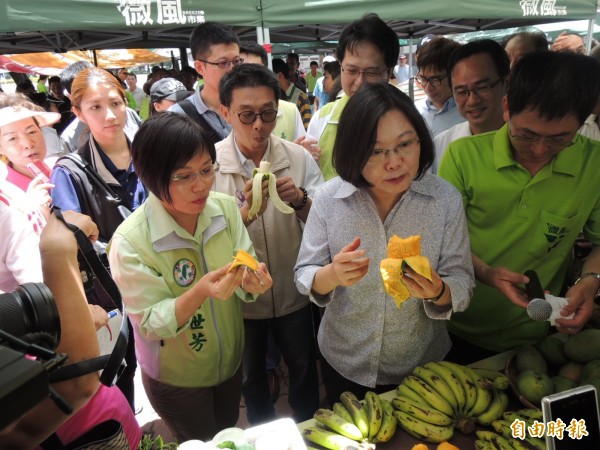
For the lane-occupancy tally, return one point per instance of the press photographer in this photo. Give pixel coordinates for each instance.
(78, 340)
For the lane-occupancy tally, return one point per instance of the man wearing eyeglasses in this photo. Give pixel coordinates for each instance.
(529, 189)
(215, 48)
(249, 96)
(368, 50)
(438, 108)
(477, 71)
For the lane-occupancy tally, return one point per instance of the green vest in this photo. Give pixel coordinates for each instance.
(327, 139)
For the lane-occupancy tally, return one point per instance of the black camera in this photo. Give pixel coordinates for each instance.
(29, 325)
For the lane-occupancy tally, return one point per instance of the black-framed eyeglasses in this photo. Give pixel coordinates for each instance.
(482, 90)
(433, 81)
(369, 74)
(553, 143)
(225, 64)
(249, 117)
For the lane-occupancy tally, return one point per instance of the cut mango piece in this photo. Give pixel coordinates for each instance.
(243, 258)
(392, 267)
(403, 248)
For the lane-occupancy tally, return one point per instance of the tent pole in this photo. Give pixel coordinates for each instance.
(590, 35)
(95, 57)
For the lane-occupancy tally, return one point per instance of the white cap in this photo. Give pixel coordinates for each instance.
(329, 58)
(12, 114)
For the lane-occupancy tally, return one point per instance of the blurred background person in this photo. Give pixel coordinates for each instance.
(165, 93)
(137, 92)
(518, 44)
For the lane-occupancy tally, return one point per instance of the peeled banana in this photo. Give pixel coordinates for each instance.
(263, 172)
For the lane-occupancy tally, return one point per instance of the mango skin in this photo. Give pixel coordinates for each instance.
(584, 346)
(534, 385)
(552, 349)
(528, 358)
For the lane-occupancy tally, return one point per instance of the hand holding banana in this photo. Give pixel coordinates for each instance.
(261, 175)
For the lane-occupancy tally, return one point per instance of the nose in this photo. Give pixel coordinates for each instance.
(539, 147)
(393, 160)
(110, 115)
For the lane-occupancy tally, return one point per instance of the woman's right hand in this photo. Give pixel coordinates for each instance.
(38, 192)
(220, 284)
(350, 265)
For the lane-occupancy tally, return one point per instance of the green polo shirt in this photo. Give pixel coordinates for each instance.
(520, 222)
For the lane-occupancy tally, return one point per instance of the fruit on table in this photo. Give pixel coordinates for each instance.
(562, 384)
(534, 385)
(443, 396)
(590, 371)
(528, 358)
(583, 346)
(571, 370)
(552, 349)
(447, 446)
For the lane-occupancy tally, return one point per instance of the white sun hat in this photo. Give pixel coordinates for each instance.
(11, 114)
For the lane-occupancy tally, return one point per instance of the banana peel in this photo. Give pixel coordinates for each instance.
(402, 253)
(260, 174)
(243, 258)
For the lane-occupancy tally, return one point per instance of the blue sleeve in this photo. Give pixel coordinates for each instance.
(63, 193)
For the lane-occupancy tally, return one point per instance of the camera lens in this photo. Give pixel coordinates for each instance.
(30, 308)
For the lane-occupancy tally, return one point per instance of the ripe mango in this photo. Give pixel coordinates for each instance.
(534, 385)
(583, 346)
(528, 358)
(552, 350)
(571, 370)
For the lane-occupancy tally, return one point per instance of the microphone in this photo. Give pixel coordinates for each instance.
(542, 306)
(539, 309)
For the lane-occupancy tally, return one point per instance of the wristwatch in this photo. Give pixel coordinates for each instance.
(586, 275)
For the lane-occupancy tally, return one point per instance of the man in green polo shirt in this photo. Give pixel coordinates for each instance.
(529, 189)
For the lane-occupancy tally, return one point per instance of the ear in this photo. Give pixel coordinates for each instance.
(77, 113)
(199, 66)
(505, 114)
(225, 113)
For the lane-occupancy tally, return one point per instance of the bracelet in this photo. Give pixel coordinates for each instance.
(302, 203)
(586, 275)
(436, 298)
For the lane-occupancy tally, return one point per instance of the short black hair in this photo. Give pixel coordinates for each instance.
(436, 53)
(294, 56)
(164, 143)
(370, 28)
(314, 63)
(247, 75)
(70, 72)
(485, 46)
(254, 48)
(279, 66)
(190, 70)
(208, 34)
(537, 40)
(54, 79)
(357, 130)
(332, 68)
(550, 83)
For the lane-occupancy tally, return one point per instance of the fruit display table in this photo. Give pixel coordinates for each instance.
(404, 441)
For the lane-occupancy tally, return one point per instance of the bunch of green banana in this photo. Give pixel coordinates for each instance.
(529, 416)
(260, 174)
(353, 423)
(448, 395)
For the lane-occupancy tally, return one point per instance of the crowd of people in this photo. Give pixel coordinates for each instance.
(493, 169)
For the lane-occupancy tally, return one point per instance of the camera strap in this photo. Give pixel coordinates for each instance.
(110, 364)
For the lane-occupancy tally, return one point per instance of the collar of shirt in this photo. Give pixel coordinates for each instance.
(568, 161)
(247, 164)
(449, 104)
(166, 233)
